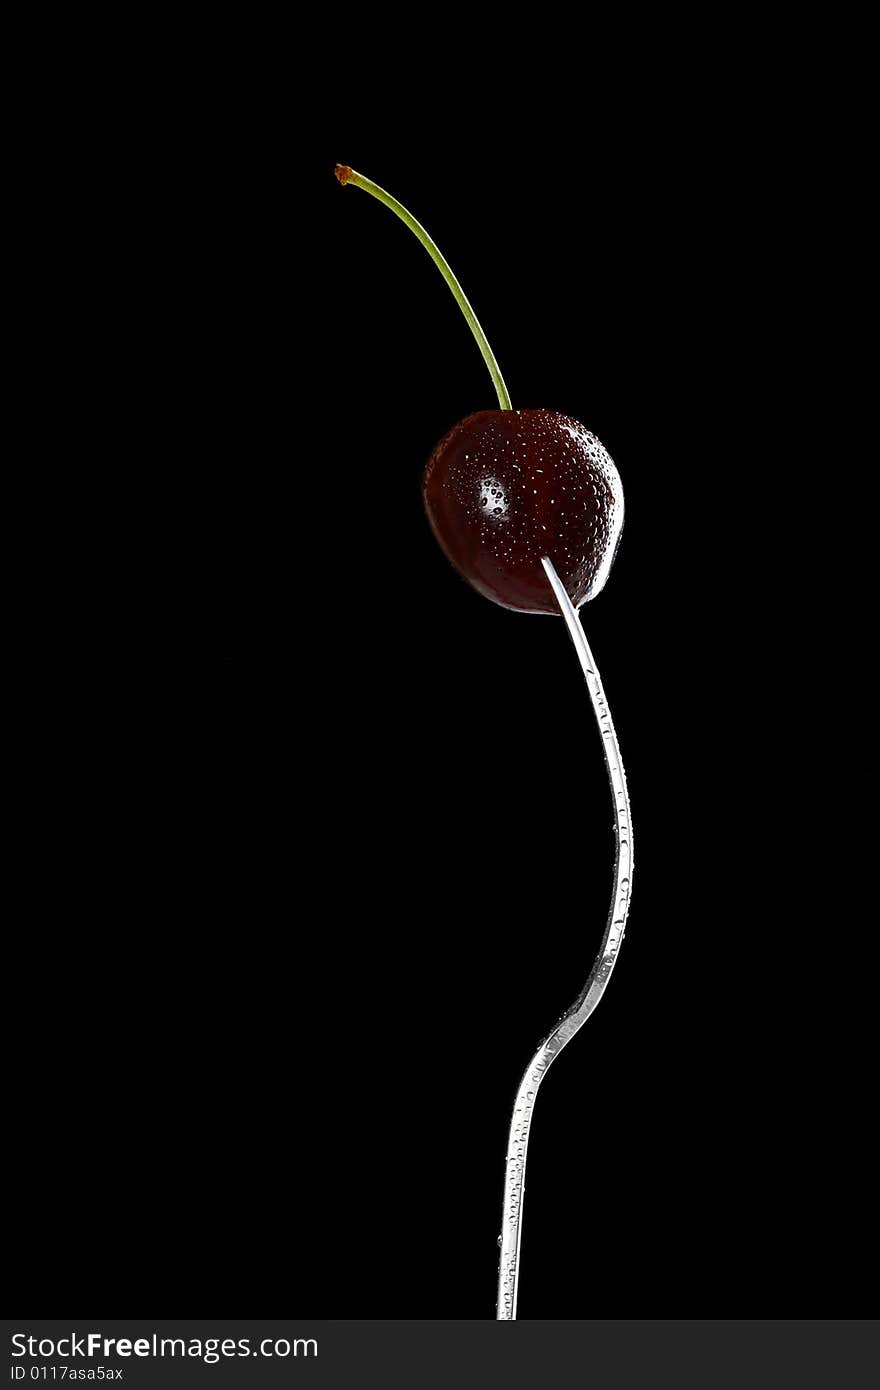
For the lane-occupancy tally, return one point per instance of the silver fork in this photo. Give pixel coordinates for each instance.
(577, 1015)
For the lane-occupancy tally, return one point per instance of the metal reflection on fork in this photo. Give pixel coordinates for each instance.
(577, 1015)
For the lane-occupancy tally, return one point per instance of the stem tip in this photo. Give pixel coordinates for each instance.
(343, 173)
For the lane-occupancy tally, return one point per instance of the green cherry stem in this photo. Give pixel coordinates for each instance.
(346, 175)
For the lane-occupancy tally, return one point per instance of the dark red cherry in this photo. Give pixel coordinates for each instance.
(506, 487)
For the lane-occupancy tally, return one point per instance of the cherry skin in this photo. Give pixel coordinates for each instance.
(506, 487)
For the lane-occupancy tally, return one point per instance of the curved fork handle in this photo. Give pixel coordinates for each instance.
(577, 1015)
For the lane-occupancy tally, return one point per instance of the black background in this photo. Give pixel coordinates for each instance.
(331, 834)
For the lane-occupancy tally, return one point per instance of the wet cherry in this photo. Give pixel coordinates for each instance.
(506, 487)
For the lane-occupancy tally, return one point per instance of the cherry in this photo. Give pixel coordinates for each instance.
(506, 487)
